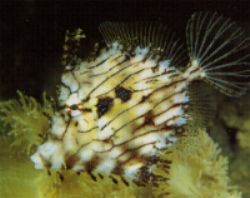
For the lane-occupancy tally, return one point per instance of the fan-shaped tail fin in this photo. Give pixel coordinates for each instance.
(221, 50)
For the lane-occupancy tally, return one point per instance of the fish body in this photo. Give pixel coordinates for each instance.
(119, 111)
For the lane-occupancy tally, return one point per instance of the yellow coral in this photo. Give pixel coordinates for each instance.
(78, 186)
(27, 120)
(236, 116)
(244, 139)
(237, 119)
(240, 171)
(197, 170)
(18, 178)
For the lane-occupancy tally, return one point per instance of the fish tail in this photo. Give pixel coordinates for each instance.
(220, 50)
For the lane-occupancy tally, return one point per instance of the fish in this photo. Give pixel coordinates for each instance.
(119, 111)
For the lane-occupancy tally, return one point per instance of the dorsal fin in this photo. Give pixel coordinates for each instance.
(221, 49)
(153, 35)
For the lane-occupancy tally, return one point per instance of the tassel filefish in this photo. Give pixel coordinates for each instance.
(120, 110)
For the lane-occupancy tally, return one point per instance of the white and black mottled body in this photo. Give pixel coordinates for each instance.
(121, 109)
